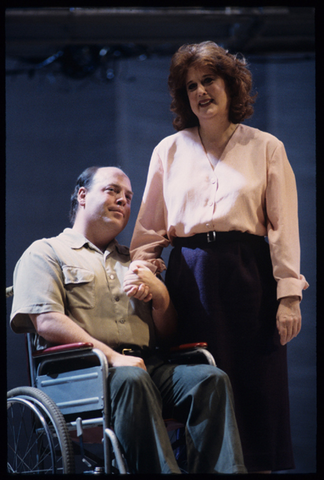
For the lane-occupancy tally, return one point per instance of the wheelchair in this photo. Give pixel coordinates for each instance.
(60, 422)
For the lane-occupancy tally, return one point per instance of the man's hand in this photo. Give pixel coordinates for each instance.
(119, 360)
(288, 319)
(141, 283)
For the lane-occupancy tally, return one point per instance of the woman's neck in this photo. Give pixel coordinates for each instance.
(215, 138)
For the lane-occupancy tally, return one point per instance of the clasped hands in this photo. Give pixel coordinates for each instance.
(140, 282)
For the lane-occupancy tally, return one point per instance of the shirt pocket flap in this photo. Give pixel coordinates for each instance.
(76, 275)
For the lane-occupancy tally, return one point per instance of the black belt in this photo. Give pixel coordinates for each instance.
(209, 238)
(135, 351)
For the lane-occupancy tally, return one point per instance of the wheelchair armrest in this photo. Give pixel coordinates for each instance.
(57, 349)
(188, 346)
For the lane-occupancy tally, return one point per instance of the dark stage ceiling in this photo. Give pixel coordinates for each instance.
(40, 32)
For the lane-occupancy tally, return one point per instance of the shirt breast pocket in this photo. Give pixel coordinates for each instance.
(79, 287)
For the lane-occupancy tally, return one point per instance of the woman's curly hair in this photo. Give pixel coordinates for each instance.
(232, 68)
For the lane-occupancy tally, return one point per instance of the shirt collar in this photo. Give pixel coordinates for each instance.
(77, 240)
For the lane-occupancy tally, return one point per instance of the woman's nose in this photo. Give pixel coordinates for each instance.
(201, 89)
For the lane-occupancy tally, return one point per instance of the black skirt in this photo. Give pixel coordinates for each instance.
(225, 295)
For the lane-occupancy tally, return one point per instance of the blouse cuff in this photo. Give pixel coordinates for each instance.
(288, 287)
(156, 265)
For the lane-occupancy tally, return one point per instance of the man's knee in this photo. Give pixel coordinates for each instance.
(210, 373)
(127, 378)
(131, 384)
(221, 379)
(213, 380)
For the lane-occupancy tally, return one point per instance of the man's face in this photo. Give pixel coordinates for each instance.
(108, 201)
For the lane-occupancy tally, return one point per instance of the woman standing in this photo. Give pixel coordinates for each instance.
(224, 195)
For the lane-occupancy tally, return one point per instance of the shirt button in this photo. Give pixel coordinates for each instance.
(117, 299)
(122, 320)
(112, 276)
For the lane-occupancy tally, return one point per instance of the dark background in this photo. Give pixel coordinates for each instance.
(111, 108)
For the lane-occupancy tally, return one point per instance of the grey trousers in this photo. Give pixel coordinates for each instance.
(200, 396)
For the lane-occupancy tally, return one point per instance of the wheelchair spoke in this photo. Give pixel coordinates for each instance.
(30, 443)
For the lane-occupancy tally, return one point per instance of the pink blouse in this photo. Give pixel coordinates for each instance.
(251, 189)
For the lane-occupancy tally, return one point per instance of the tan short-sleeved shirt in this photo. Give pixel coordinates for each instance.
(70, 275)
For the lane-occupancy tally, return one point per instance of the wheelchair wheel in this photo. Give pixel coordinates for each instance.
(38, 440)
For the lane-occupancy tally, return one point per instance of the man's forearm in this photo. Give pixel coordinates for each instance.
(59, 329)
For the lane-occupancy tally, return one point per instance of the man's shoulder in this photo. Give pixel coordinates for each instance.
(41, 244)
(45, 246)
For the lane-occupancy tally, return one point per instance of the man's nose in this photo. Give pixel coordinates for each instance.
(121, 199)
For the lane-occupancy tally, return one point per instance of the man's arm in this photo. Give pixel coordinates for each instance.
(59, 329)
(142, 284)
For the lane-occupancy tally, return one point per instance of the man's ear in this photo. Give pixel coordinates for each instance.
(82, 195)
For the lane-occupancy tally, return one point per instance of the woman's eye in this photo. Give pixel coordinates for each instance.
(208, 80)
(192, 86)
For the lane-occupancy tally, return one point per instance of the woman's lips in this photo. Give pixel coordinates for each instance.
(205, 103)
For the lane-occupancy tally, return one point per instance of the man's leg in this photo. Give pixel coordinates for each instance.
(136, 414)
(201, 396)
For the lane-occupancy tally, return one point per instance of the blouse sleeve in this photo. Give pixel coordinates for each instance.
(282, 225)
(150, 232)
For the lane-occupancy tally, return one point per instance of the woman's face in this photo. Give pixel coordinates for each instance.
(207, 94)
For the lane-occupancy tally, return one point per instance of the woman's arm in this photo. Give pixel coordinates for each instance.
(150, 231)
(283, 235)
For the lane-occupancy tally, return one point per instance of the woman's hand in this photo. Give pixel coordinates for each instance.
(288, 319)
(140, 282)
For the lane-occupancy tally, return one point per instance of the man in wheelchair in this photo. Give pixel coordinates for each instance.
(75, 288)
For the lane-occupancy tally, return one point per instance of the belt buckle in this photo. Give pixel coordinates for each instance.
(127, 351)
(211, 237)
